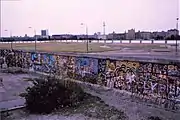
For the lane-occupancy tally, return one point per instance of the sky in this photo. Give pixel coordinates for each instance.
(66, 16)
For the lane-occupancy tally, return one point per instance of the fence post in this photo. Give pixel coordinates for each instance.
(166, 42)
(152, 41)
(140, 41)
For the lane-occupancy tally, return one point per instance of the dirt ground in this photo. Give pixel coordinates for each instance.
(92, 108)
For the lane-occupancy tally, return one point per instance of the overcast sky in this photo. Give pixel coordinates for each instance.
(65, 16)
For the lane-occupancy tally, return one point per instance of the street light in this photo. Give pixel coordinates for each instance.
(10, 37)
(87, 42)
(177, 35)
(35, 46)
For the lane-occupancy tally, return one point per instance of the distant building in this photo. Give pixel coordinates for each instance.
(172, 33)
(25, 35)
(110, 36)
(95, 36)
(162, 34)
(131, 34)
(154, 35)
(37, 36)
(44, 33)
(145, 35)
(100, 36)
(116, 36)
(56, 37)
(62, 36)
(81, 36)
(159, 35)
(138, 35)
(66, 36)
(98, 33)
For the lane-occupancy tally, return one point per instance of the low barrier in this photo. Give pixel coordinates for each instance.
(157, 81)
(103, 41)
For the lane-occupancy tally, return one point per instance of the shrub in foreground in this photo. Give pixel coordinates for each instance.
(50, 94)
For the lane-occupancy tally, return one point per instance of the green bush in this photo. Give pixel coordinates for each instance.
(50, 94)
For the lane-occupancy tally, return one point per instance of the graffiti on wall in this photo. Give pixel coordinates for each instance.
(43, 62)
(86, 69)
(125, 74)
(12, 58)
(66, 65)
(86, 66)
(110, 73)
(141, 78)
(120, 74)
(147, 79)
(102, 72)
(48, 63)
(36, 62)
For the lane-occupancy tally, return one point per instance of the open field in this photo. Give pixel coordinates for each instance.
(80, 47)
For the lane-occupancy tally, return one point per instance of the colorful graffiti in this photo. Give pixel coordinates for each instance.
(86, 69)
(148, 80)
(102, 72)
(86, 66)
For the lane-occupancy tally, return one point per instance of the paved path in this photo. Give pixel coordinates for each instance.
(138, 55)
(11, 104)
(13, 85)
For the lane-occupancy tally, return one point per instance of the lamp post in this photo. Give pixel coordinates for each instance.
(87, 42)
(177, 35)
(35, 46)
(10, 37)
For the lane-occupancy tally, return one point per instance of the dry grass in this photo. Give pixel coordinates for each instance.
(57, 47)
(76, 47)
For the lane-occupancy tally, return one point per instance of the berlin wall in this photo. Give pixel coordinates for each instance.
(153, 80)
